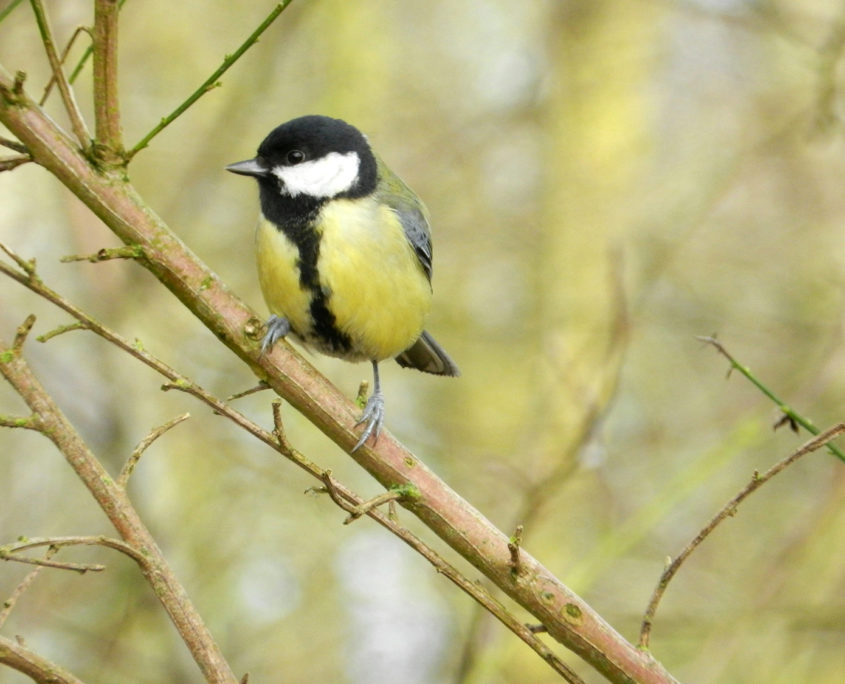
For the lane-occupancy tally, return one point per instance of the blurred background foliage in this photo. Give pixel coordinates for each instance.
(607, 180)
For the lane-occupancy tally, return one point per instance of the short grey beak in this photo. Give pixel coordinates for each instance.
(249, 167)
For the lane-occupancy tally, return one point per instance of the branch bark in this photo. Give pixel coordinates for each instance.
(568, 618)
(106, 103)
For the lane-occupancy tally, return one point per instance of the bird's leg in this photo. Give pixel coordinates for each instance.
(277, 328)
(373, 414)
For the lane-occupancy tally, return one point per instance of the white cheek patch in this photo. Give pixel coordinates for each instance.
(325, 177)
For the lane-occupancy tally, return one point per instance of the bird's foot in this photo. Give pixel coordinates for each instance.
(277, 328)
(373, 416)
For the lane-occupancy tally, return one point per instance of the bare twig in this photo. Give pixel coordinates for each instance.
(34, 666)
(76, 121)
(7, 10)
(143, 445)
(727, 510)
(49, 87)
(260, 387)
(783, 407)
(11, 163)
(13, 145)
(61, 330)
(28, 267)
(81, 568)
(27, 422)
(23, 585)
(60, 542)
(279, 426)
(212, 81)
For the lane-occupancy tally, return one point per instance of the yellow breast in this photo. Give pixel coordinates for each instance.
(368, 272)
(278, 275)
(378, 291)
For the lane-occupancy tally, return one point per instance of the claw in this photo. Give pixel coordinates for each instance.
(373, 414)
(277, 328)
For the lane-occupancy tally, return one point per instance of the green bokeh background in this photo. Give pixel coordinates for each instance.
(607, 180)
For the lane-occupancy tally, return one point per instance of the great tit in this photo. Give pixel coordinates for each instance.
(344, 252)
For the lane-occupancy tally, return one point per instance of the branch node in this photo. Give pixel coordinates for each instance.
(28, 267)
(389, 496)
(363, 391)
(513, 546)
(21, 334)
(279, 426)
(107, 254)
(260, 387)
(11, 163)
(17, 88)
(30, 422)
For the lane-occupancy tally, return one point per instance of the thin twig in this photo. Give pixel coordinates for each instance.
(28, 267)
(260, 387)
(79, 540)
(76, 121)
(81, 568)
(13, 145)
(21, 334)
(23, 585)
(6, 11)
(11, 163)
(61, 330)
(728, 510)
(783, 407)
(143, 445)
(107, 254)
(212, 81)
(49, 87)
(27, 422)
(368, 505)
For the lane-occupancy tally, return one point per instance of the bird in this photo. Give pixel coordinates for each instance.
(344, 253)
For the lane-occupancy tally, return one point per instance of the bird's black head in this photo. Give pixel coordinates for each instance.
(313, 159)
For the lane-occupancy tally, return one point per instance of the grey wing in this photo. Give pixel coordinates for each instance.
(416, 230)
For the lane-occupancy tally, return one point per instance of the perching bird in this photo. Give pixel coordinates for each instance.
(344, 252)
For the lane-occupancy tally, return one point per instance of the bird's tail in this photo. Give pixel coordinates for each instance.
(428, 356)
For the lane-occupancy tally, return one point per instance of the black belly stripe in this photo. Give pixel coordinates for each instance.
(296, 217)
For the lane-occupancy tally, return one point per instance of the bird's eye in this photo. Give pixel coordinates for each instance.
(295, 157)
